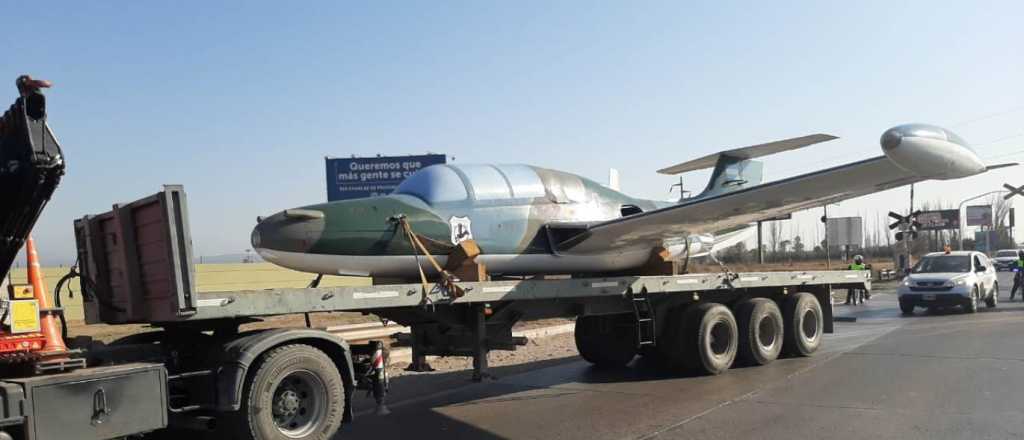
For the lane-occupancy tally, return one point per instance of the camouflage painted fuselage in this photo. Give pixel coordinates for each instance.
(506, 218)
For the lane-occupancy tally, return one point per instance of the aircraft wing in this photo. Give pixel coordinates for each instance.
(741, 207)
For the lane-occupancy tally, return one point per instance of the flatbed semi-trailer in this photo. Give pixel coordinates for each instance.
(200, 370)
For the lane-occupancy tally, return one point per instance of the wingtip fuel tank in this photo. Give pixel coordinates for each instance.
(930, 151)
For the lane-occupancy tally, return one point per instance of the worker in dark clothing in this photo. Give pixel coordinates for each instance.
(1018, 276)
(854, 294)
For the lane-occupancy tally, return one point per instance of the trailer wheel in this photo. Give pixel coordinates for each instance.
(606, 340)
(296, 392)
(802, 316)
(760, 331)
(705, 339)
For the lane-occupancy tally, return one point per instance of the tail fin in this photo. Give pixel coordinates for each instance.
(733, 168)
(732, 174)
(613, 179)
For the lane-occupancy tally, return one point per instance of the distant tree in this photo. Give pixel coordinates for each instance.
(735, 253)
(783, 245)
(798, 245)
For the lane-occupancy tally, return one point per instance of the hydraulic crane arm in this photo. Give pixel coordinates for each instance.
(31, 166)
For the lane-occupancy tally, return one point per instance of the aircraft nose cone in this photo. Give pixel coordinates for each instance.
(288, 231)
(892, 138)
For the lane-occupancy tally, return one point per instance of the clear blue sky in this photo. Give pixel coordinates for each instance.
(240, 102)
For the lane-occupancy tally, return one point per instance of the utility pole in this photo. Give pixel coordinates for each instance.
(907, 240)
(760, 245)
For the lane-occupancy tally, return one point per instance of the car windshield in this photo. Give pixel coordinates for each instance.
(1006, 254)
(944, 263)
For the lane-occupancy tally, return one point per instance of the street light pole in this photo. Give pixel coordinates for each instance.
(959, 212)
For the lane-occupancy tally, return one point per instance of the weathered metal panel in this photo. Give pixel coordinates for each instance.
(138, 257)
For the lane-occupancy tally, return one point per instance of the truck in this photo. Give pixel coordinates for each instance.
(200, 369)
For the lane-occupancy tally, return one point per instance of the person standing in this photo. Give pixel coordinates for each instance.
(855, 294)
(1018, 276)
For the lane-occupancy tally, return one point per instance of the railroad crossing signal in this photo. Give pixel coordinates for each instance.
(908, 225)
(1014, 191)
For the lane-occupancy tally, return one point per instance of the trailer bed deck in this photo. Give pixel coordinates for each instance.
(255, 303)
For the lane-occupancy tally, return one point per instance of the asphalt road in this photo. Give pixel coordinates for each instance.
(942, 375)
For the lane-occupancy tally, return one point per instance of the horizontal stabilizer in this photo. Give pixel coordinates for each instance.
(748, 152)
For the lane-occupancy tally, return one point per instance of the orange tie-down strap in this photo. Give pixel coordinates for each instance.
(447, 281)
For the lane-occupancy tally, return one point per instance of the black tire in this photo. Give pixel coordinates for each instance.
(906, 308)
(656, 356)
(607, 341)
(705, 340)
(993, 298)
(292, 392)
(971, 306)
(801, 314)
(760, 331)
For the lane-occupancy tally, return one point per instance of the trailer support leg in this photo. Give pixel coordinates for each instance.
(480, 371)
(419, 362)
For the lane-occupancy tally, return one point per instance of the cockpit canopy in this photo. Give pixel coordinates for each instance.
(453, 183)
(932, 132)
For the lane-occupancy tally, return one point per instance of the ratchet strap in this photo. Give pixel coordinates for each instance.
(447, 281)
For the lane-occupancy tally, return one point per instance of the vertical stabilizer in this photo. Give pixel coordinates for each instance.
(613, 179)
(732, 174)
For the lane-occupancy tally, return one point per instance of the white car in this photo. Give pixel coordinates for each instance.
(950, 279)
(1005, 260)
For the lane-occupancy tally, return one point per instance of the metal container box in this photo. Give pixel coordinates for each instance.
(95, 403)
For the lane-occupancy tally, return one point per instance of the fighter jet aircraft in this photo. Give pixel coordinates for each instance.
(531, 220)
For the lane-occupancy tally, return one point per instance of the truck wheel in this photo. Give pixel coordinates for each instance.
(993, 299)
(706, 339)
(760, 331)
(296, 392)
(607, 341)
(656, 355)
(802, 316)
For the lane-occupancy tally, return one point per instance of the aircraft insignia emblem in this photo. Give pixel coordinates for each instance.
(461, 229)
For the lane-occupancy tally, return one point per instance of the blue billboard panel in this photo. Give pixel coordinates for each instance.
(353, 178)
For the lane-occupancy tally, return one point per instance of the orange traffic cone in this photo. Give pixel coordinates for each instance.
(47, 324)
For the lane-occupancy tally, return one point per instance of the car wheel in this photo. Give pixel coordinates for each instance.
(993, 298)
(972, 303)
(906, 308)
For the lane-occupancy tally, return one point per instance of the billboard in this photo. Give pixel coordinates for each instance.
(845, 231)
(356, 177)
(939, 220)
(980, 215)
